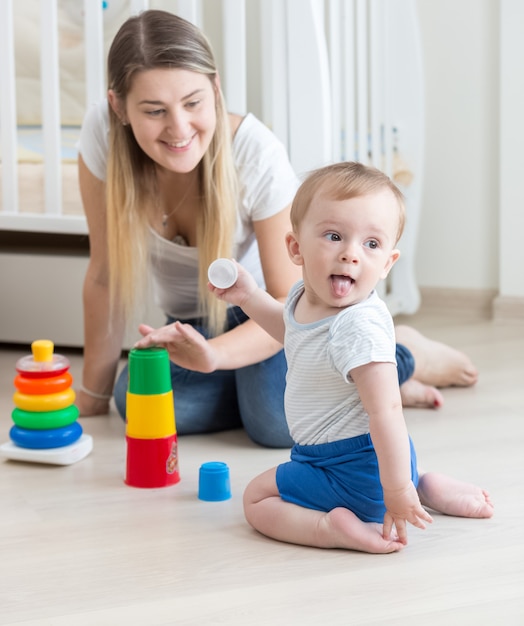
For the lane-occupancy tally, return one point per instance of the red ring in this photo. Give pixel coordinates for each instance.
(39, 386)
(43, 374)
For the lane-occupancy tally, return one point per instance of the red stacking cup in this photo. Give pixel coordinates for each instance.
(152, 463)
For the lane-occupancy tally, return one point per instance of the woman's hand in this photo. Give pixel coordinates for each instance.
(186, 346)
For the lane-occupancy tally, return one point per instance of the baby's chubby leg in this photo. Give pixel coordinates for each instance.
(340, 528)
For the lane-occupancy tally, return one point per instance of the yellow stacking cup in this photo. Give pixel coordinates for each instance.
(150, 417)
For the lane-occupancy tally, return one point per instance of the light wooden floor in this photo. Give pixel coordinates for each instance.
(78, 546)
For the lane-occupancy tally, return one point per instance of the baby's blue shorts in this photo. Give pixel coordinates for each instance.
(343, 473)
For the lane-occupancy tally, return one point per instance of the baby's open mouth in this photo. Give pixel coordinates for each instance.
(341, 285)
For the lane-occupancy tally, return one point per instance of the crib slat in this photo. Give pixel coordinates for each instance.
(94, 51)
(377, 93)
(335, 62)
(274, 68)
(389, 87)
(361, 83)
(190, 10)
(8, 110)
(349, 61)
(308, 65)
(234, 28)
(49, 69)
(137, 6)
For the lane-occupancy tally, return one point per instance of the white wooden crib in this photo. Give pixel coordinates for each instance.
(334, 79)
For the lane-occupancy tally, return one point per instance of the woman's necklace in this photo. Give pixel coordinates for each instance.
(166, 216)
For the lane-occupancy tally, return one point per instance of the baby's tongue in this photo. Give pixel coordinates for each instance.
(341, 285)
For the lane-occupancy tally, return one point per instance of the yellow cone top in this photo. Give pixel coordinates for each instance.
(42, 350)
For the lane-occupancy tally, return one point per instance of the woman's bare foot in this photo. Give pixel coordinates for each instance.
(416, 394)
(436, 363)
(349, 532)
(453, 497)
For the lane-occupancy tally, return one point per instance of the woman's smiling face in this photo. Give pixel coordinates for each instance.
(172, 114)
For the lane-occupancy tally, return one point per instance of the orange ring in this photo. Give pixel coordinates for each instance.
(39, 386)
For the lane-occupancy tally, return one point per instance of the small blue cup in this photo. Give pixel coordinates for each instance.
(214, 484)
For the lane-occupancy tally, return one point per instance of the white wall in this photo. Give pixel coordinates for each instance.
(459, 241)
(511, 149)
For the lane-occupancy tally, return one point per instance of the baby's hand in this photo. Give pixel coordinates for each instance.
(239, 291)
(403, 506)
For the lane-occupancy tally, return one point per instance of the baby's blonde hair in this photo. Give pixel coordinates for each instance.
(159, 39)
(343, 181)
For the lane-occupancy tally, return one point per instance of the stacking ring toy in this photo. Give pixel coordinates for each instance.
(39, 386)
(46, 419)
(45, 439)
(44, 402)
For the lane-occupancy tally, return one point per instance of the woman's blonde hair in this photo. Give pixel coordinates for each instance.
(343, 181)
(159, 39)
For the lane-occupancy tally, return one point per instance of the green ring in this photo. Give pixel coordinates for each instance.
(45, 420)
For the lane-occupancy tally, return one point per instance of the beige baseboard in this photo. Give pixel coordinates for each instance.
(508, 308)
(470, 302)
(481, 303)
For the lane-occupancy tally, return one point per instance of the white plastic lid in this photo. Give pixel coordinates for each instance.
(222, 273)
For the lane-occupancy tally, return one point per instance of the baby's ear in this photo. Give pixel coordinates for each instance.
(293, 248)
(393, 258)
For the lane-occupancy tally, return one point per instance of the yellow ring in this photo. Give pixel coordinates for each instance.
(45, 401)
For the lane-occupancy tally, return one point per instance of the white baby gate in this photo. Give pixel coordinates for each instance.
(334, 79)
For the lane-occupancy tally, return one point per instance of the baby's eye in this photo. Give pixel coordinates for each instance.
(372, 243)
(332, 237)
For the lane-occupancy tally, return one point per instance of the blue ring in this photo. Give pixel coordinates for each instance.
(45, 439)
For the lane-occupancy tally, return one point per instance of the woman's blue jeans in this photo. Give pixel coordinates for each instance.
(250, 397)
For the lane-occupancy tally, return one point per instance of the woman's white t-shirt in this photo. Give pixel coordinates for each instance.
(267, 184)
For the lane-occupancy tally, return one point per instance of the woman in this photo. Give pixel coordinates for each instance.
(169, 182)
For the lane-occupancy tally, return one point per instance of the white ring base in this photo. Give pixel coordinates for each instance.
(66, 455)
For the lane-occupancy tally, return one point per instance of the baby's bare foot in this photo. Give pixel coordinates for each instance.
(436, 363)
(416, 394)
(454, 497)
(351, 533)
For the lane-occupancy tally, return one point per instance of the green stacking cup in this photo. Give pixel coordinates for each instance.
(149, 371)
